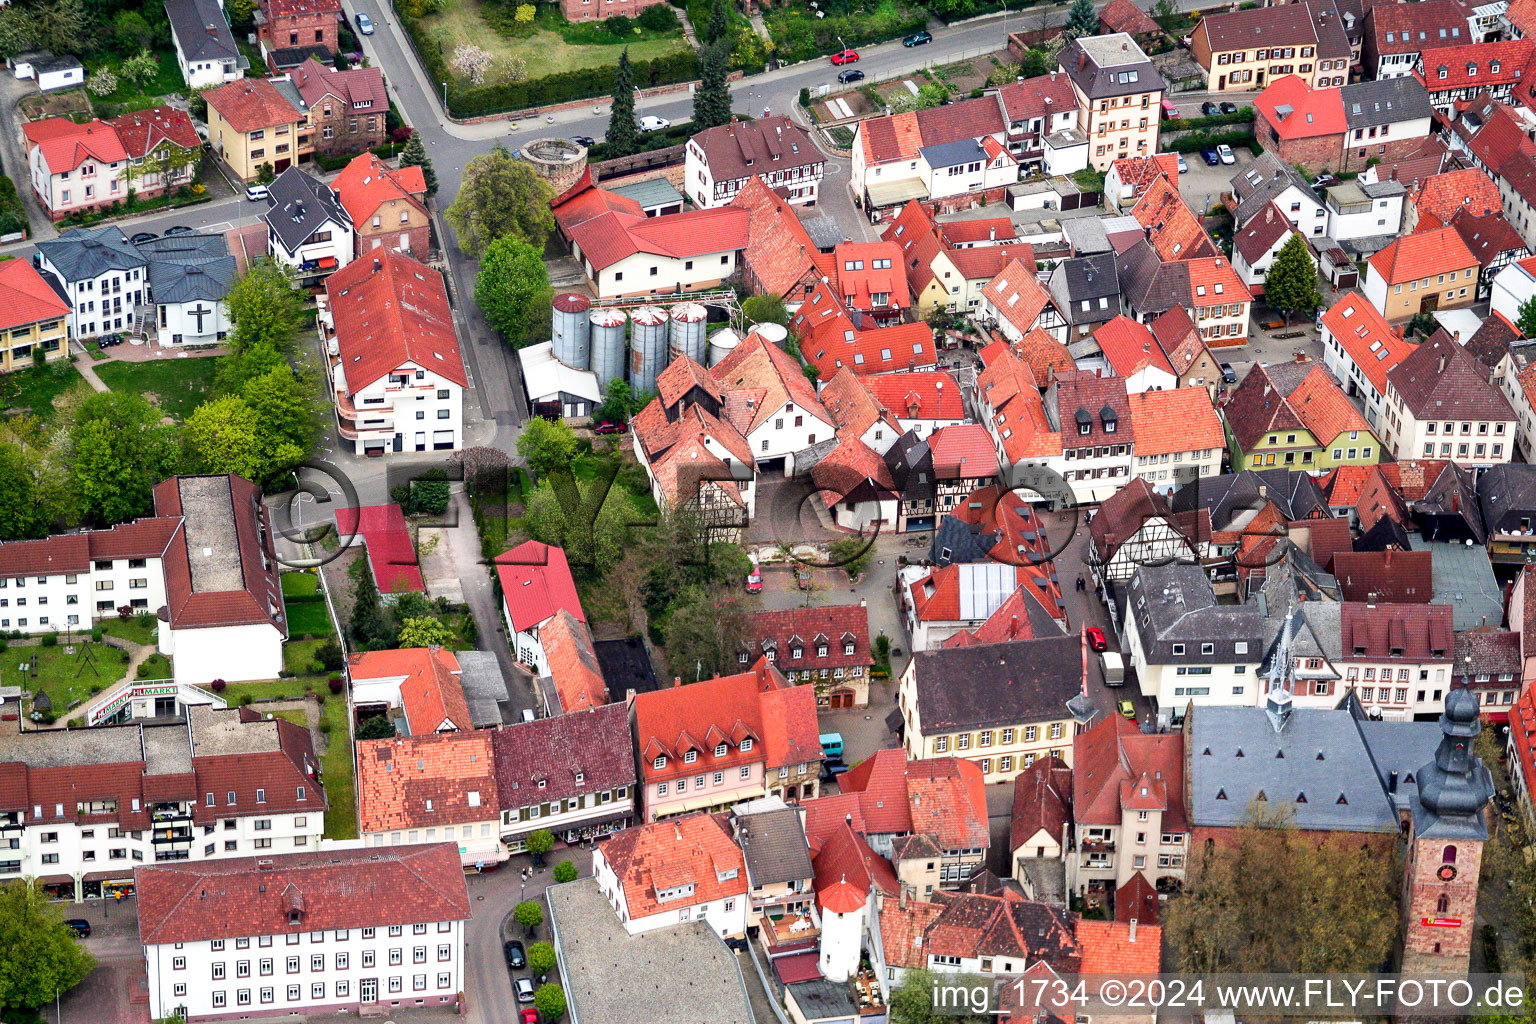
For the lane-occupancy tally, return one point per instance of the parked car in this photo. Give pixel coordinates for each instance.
(1183, 164)
(850, 75)
(524, 986)
(108, 340)
(1210, 156)
(755, 581)
(1229, 108)
(1224, 151)
(1127, 709)
(1096, 641)
(1169, 110)
(528, 1015)
(609, 427)
(917, 39)
(517, 959)
(179, 229)
(143, 236)
(79, 925)
(652, 123)
(364, 24)
(584, 140)
(1324, 181)
(255, 192)
(1209, 109)
(1228, 375)
(845, 57)
(831, 768)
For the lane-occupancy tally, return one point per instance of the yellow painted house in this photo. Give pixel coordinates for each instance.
(33, 318)
(1295, 415)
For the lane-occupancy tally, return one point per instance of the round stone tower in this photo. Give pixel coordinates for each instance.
(558, 161)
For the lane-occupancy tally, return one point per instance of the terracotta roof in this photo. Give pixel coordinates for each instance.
(391, 553)
(936, 597)
(1440, 196)
(791, 735)
(1046, 356)
(1238, 29)
(295, 8)
(141, 131)
(1011, 621)
(895, 349)
(1108, 946)
(918, 236)
(431, 695)
(699, 717)
(539, 761)
(1008, 389)
(1172, 228)
(357, 88)
(834, 626)
(840, 855)
(694, 850)
(1027, 99)
(858, 279)
(849, 471)
(1262, 233)
(1297, 111)
(367, 182)
(1042, 801)
(1410, 28)
(1410, 632)
(1366, 338)
(760, 365)
(610, 237)
(1175, 420)
(1325, 410)
(1422, 254)
(900, 136)
(961, 451)
(1492, 341)
(1458, 389)
(779, 250)
(390, 311)
(1125, 16)
(1500, 138)
(333, 890)
(573, 665)
(584, 200)
(980, 229)
(1175, 331)
(902, 931)
(942, 797)
(425, 781)
(1125, 512)
(1213, 278)
(1385, 577)
(1113, 754)
(743, 149)
(536, 583)
(206, 583)
(1487, 237)
(1129, 347)
(252, 103)
(1483, 65)
(66, 145)
(1089, 393)
(25, 298)
(984, 262)
(852, 404)
(1017, 296)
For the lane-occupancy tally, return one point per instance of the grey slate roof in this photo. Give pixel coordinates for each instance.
(1110, 65)
(821, 999)
(774, 845)
(1177, 617)
(952, 154)
(82, 254)
(1231, 496)
(997, 684)
(300, 206)
(1256, 185)
(201, 30)
(1507, 494)
(1386, 101)
(485, 689)
(1463, 579)
(185, 268)
(290, 57)
(1151, 287)
(652, 192)
(1086, 278)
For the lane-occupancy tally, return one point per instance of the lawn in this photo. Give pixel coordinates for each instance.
(66, 677)
(300, 584)
(145, 633)
(337, 772)
(271, 689)
(544, 50)
(40, 390)
(309, 618)
(127, 96)
(177, 386)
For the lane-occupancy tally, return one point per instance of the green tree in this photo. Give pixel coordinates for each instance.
(375, 727)
(540, 841)
(623, 135)
(547, 445)
(242, 13)
(131, 32)
(593, 538)
(541, 955)
(719, 26)
(851, 554)
(340, 61)
(528, 914)
(912, 1000)
(712, 98)
(424, 633)
(565, 871)
(1290, 286)
(549, 1000)
(931, 95)
(1081, 20)
(140, 68)
(620, 404)
(368, 623)
(265, 307)
(767, 308)
(425, 494)
(1166, 14)
(512, 289)
(1036, 62)
(22, 513)
(1525, 320)
(42, 956)
(287, 407)
(227, 435)
(63, 26)
(500, 197)
(1423, 324)
(118, 450)
(706, 628)
(414, 154)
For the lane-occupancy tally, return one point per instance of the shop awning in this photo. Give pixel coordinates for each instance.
(326, 263)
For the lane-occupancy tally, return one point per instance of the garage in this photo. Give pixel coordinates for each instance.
(840, 698)
(442, 440)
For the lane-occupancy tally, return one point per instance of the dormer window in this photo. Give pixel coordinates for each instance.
(580, 778)
(797, 653)
(821, 650)
(659, 763)
(1109, 426)
(746, 744)
(690, 756)
(720, 750)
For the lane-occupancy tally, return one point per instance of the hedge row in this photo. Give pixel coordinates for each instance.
(1196, 141)
(1244, 115)
(576, 84)
(13, 212)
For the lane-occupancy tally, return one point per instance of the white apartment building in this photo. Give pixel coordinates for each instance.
(1440, 403)
(221, 784)
(667, 872)
(718, 161)
(359, 931)
(104, 278)
(396, 372)
(308, 230)
(67, 582)
(1360, 348)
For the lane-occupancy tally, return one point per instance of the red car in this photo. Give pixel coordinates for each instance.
(755, 581)
(1096, 639)
(528, 1015)
(609, 427)
(846, 57)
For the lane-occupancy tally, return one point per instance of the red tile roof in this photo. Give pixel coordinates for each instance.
(1385, 577)
(942, 797)
(541, 761)
(197, 595)
(252, 103)
(367, 182)
(1046, 356)
(1113, 753)
(426, 781)
(779, 250)
(391, 311)
(142, 131)
(1129, 347)
(1027, 99)
(1325, 410)
(333, 890)
(701, 716)
(963, 451)
(1042, 801)
(1263, 232)
(1213, 278)
(536, 583)
(1440, 196)
(25, 298)
(936, 597)
(357, 88)
(1125, 16)
(858, 279)
(694, 850)
(1522, 735)
(573, 665)
(983, 229)
(757, 364)
(984, 262)
(830, 341)
(1411, 632)
(1008, 389)
(295, 8)
(791, 735)
(610, 237)
(391, 554)
(840, 855)
(1175, 420)
(1422, 254)
(805, 628)
(1297, 111)
(1479, 65)
(900, 136)
(852, 404)
(1366, 338)
(1017, 296)
(1108, 947)
(928, 395)
(431, 694)
(1172, 228)
(1487, 238)
(1410, 28)
(745, 149)
(66, 145)
(584, 200)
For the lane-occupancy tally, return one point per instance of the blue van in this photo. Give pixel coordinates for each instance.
(832, 744)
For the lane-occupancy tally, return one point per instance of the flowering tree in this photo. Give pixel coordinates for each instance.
(101, 83)
(525, 13)
(471, 62)
(514, 69)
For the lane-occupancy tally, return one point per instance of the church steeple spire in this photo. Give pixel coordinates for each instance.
(1455, 787)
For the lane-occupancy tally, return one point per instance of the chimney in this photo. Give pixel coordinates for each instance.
(1082, 59)
(377, 265)
(1133, 930)
(1388, 559)
(677, 680)
(1440, 364)
(903, 897)
(1013, 627)
(677, 831)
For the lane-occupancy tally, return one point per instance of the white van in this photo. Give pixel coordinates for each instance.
(1114, 668)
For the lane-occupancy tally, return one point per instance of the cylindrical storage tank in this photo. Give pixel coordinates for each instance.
(647, 347)
(774, 333)
(607, 345)
(721, 343)
(688, 323)
(571, 330)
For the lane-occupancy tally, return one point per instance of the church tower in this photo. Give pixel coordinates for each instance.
(1445, 846)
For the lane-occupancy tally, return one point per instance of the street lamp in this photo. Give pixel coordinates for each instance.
(445, 97)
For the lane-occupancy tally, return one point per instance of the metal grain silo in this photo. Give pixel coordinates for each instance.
(607, 345)
(688, 323)
(647, 347)
(721, 343)
(774, 334)
(571, 330)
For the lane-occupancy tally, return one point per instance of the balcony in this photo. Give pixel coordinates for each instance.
(1098, 846)
(171, 835)
(170, 812)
